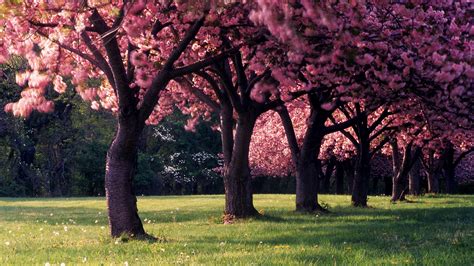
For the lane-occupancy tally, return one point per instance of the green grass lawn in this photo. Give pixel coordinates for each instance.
(432, 230)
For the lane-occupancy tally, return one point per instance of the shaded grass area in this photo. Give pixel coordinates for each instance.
(429, 230)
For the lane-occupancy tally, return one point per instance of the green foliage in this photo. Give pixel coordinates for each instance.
(63, 153)
(429, 231)
(175, 161)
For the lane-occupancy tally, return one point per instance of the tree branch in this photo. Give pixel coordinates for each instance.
(379, 120)
(181, 71)
(345, 133)
(198, 93)
(126, 100)
(340, 126)
(290, 133)
(165, 75)
(73, 50)
(462, 155)
(184, 43)
(105, 67)
(381, 144)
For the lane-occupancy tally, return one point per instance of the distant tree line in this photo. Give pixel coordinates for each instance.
(61, 154)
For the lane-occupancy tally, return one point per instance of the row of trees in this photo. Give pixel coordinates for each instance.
(343, 77)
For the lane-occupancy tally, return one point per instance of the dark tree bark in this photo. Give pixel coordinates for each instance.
(433, 182)
(307, 164)
(387, 185)
(414, 178)
(339, 178)
(326, 175)
(362, 166)
(432, 167)
(120, 170)
(349, 173)
(308, 167)
(402, 168)
(364, 135)
(237, 179)
(307, 186)
(449, 168)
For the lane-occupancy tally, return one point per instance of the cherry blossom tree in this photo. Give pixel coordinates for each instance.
(240, 89)
(120, 56)
(305, 126)
(380, 52)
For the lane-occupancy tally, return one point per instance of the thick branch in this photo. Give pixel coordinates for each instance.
(104, 66)
(382, 130)
(198, 93)
(127, 101)
(462, 155)
(290, 133)
(181, 71)
(345, 133)
(381, 144)
(184, 43)
(340, 126)
(213, 83)
(165, 75)
(379, 120)
(229, 89)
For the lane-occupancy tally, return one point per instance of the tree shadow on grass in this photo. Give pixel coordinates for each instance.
(417, 233)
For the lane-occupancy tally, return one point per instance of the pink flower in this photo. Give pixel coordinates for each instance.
(59, 85)
(364, 60)
(327, 106)
(138, 59)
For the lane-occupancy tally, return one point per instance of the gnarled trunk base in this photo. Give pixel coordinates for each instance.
(237, 180)
(238, 196)
(120, 170)
(361, 184)
(307, 188)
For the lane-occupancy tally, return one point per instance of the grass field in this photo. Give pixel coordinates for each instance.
(432, 230)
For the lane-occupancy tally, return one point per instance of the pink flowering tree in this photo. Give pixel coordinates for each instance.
(306, 127)
(119, 56)
(240, 89)
(379, 52)
(368, 135)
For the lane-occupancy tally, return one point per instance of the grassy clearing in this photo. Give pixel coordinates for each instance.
(431, 230)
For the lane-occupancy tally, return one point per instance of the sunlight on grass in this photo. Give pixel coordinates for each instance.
(430, 230)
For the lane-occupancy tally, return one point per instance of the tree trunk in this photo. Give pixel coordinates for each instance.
(433, 182)
(387, 185)
(449, 168)
(339, 178)
(120, 170)
(397, 186)
(326, 176)
(402, 169)
(361, 178)
(362, 170)
(308, 166)
(432, 175)
(451, 184)
(349, 169)
(414, 179)
(237, 179)
(307, 186)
